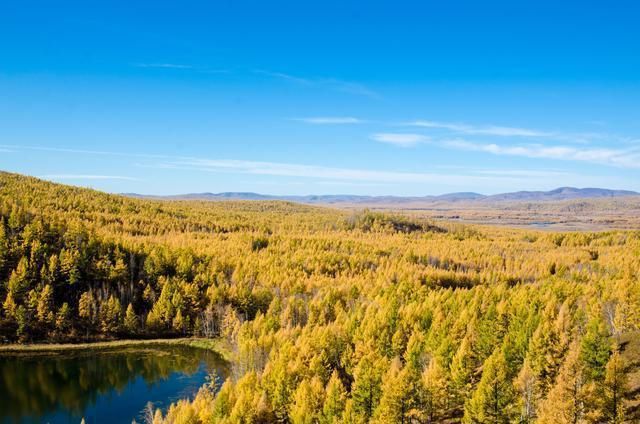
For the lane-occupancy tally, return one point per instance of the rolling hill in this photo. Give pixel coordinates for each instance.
(346, 315)
(562, 193)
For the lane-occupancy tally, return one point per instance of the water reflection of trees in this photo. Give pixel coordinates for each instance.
(42, 384)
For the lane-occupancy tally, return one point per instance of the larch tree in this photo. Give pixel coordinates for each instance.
(395, 402)
(565, 402)
(494, 399)
(434, 380)
(526, 386)
(335, 398)
(595, 349)
(131, 320)
(366, 389)
(111, 315)
(307, 403)
(63, 319)
(464, 369)
(545, 354)
(615, 389)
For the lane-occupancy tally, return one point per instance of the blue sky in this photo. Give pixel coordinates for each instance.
(300, 97)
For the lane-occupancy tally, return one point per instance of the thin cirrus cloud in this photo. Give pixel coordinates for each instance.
(327, 173)
(330, 120)
(80, 177)
(292, 172)
(163, 65)
(345, 175)
(79, 151)
(330, 83)
(310, 174)
(529, 173)
(623, 158)
(266, 168)
(181, 67)
(400, 139)
(508, 131)
(481, 130)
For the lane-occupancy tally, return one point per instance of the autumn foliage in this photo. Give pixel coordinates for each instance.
(333, 317)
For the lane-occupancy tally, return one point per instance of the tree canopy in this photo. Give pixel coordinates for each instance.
(333, 316)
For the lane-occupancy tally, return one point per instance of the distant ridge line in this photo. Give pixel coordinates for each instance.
(561, 193)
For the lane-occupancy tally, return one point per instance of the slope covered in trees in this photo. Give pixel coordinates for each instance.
(333, 316)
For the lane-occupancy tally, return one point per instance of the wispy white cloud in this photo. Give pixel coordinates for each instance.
(345, 175)
(400, 139)
(330, 120)
(86, 177)
(529, 173)
(508, 131)
(327, 173)
(330, 83)
(624, 158)
(320, 183)
(283, 76)
(179, 66)
(163, 65)
(350, 87)
(626, 155)
(82, 151)
(452, 178)
(481, 130)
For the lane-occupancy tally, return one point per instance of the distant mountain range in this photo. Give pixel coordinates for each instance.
(562, 193)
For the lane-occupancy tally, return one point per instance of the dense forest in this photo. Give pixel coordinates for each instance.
(334, 316)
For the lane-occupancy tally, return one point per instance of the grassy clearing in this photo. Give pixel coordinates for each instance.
(216, 345)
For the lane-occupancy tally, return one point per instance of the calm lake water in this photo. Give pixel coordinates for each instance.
(104, 386)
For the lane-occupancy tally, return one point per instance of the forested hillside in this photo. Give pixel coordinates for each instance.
(333, 316)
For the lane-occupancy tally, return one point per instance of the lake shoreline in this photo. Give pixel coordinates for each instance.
(108, 381)
(216, 345)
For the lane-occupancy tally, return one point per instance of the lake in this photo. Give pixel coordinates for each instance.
(104, 386)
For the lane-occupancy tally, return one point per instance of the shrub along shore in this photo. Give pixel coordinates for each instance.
(217, 345)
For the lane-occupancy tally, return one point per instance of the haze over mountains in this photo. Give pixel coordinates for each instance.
(562, 193)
